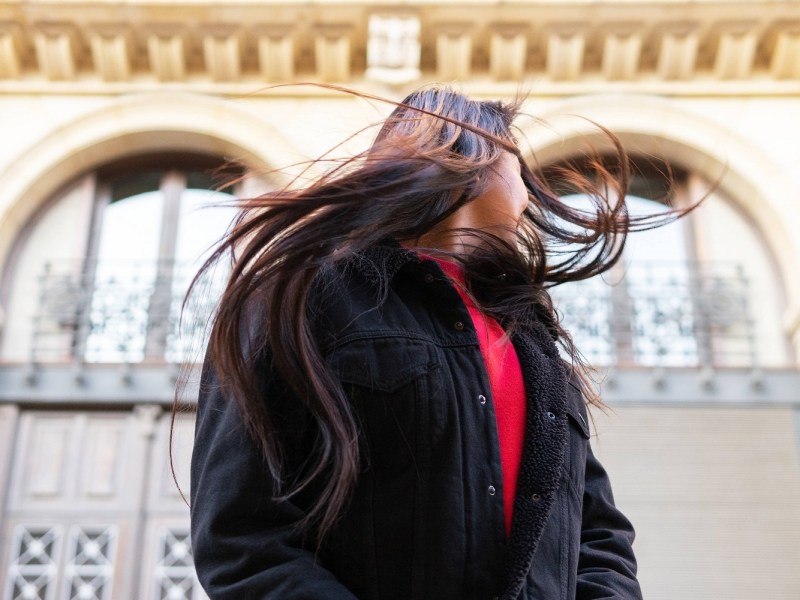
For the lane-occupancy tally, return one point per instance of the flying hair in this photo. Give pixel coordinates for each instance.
(429, 158)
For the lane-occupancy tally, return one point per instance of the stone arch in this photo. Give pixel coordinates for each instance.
(159, 121)
(660, 127)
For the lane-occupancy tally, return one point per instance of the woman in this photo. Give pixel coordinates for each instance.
(384, 412)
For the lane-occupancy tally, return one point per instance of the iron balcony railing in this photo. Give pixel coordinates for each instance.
(662, 315)
(122, 312)
(656, 315)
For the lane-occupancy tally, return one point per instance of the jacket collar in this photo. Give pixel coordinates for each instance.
(382, 261)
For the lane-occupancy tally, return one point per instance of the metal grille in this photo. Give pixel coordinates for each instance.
(175, 577)
(89, 571)
(34, 563)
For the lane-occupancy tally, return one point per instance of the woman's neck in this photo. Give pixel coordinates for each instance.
(457, 234)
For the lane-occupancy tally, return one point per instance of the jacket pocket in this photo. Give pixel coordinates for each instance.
(389, 382)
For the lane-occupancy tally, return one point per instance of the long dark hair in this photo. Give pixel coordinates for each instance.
(430, 158)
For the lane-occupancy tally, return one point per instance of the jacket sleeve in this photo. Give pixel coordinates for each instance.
(606, 566)
(243, 540)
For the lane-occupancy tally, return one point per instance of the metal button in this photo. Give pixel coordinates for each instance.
(536, 497)
(492, 491)
(428, 278)
(551, 416)
(458, 325)
(482, 399)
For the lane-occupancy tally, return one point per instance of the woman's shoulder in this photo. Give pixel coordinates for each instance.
(360, 276)
(355, 295)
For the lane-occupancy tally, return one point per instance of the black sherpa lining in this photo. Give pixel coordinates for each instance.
(379, 264)
(543, 451)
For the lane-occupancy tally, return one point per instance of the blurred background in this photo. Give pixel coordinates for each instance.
(118, 118)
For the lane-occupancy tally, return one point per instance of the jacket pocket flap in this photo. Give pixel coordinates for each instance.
(383, 364)
(578, 419)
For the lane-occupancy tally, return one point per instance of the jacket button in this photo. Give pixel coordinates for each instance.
(492, 490)
(551, 416)
(458, 325)
(428, 278)
(536, 497)
(482, 399)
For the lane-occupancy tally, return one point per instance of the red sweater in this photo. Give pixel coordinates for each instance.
(507, 388)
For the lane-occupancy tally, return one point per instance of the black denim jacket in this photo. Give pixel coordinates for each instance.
(426, 519)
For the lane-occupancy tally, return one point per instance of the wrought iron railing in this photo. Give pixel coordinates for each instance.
(122, 312)
(656, 315)
(662, 314)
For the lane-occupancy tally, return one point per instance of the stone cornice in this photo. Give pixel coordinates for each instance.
(567, 46)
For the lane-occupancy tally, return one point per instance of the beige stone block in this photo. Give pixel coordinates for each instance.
(565, 48)
(276, 53)
(453, 52)
(221, 48)
(55, 48)
(10, 65)
(332, 52)
(735, 52)
(166, 48)
(621, 53)
(785, 63)
(111, 52)
(678, 51)
(508, 50)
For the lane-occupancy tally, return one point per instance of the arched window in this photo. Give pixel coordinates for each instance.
(154, 226)
(660, 305)
(112, 257)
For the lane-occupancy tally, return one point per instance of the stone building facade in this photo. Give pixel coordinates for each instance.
(115, 116)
